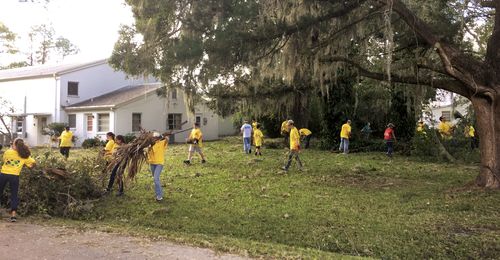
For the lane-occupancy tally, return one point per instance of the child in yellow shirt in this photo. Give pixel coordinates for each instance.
(66, 142)
(259, 138)
(195, 140)
(294, 146)
(119, 141)
(156, 159)
(13, 161)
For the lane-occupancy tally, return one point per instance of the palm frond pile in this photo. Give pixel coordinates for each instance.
(130, 157)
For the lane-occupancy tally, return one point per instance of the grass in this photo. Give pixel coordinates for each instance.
(356, 205)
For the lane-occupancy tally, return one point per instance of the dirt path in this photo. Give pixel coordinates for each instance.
(29, 241)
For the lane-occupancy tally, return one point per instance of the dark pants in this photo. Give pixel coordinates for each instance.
(112, 179)
(13, 181)
(291, 154)
(306, 141)
(390, 147)
(473, 143)
(64, 151)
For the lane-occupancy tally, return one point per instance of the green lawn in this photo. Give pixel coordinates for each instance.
(358, 205)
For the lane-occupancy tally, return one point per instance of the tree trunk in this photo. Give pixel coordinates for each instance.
(488, 129)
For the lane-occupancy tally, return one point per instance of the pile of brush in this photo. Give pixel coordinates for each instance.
(130, 157)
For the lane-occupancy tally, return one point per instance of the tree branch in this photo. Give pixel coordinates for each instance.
(446, 84)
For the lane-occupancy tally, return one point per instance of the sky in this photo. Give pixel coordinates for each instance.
(92, 25)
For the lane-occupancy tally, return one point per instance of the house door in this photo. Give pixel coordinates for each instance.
(89, 125)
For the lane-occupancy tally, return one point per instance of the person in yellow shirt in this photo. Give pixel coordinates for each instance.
(195, 140)
(110, 144)
(66, 142)
(285, 132)
(119, 141)
(345, 134)
(13, 161)
(470, 132)
(306, 135)
(421, 128)
(445, 128)
(259, 138)
(156, 159)
(294, 146)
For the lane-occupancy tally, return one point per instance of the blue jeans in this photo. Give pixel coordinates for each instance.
(13, 181)
(344, 145)
(246, 144)
(390, 147)
(156, 170)
(112, 179)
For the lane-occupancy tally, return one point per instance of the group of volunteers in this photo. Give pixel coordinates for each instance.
(155, 156)
(19, 154)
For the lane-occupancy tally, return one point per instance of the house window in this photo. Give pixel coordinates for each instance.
(43, 122)
(174, 93)
(72, 121)
(103, 122)
(90, 123)
(446, 115)
(198, 119)
(72, 88)
(19, 126)
(174, 121)
(136, 122)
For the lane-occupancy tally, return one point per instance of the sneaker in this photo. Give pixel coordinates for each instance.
(284, 168)
(106, 191)
(187, 162)
(158, 199)
(13, 219)
(203, 161)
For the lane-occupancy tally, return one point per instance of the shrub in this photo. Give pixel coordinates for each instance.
(92, 142)
(129, 137)
(69, 195)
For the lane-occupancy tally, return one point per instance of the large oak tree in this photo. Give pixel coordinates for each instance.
(438, 43)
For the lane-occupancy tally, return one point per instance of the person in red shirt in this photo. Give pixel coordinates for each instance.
(389, 138)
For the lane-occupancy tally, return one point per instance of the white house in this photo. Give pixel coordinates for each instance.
(48, 93)
(446, 108)
(128, 109)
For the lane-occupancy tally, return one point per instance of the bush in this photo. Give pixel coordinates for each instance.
(129, 137)
(44, 192)
(93, 142)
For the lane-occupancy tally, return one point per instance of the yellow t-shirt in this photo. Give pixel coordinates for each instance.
(472, 131)
(198, 135)
(156, 154)
(346, 131)
(108, 149)
(115, 148)
(294, 139)
(305, 131)
(13, 163)
(420, 127)
(444, 128)
(258, 137)
(254, 125)
(66, 137)
(284, 128)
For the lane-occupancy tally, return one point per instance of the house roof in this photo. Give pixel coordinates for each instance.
(115, 98)
(46, 70)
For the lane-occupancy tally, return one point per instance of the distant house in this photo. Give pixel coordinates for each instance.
(128, 109)
(444, 108)
(65, 93)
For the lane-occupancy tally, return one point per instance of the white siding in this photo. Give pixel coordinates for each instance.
(40, 96)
